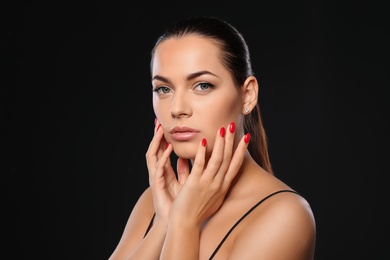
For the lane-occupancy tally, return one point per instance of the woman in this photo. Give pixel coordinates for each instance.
(222, 201)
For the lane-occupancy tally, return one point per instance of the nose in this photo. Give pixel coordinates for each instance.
(180, 106)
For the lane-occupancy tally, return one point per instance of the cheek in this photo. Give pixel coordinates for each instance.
(220, 114)
(222, 111)
(155, 108)
(160, 111)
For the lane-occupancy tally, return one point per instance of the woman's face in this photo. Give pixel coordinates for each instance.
(194, 94)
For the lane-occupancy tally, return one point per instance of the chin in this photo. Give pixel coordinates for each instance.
(185, 153)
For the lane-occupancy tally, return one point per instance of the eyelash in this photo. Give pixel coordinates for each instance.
(205, 84)
(201, 84)
(158, 89)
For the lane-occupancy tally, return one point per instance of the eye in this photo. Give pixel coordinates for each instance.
(162, 90)
(203, 86)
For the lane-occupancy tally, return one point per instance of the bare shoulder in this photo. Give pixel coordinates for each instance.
(136, 225)
(144, 204)
(141, 213)
(281, 227)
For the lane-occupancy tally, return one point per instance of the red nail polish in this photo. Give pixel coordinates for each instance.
(232, 127)
(167, 145)
(247, 138)
(158, 127)
(222, 131)
(204, 142)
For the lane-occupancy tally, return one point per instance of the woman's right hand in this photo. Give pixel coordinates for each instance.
(162, 178)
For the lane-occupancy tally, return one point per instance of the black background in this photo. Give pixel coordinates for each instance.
(76, 117)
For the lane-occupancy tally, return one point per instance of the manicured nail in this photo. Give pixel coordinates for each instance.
(247, 138)
(204, 142)
(232, 127)
(222, 131)
(167, 145)
(158, 127)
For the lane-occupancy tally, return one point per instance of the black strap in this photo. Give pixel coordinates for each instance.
(150, 225)
(246, 214)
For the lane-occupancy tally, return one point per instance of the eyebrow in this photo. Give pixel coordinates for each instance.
(189, 77)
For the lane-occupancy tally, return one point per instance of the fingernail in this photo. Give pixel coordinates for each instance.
(158, 127)
(204, 142)
(247, 138)
(222, 131)
(232, 127)
(167, 145)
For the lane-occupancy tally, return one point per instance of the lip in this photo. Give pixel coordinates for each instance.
(183, 133)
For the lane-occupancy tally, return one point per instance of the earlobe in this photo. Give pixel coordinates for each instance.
(250, 91)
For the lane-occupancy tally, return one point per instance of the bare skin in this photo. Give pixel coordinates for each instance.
(196, 210)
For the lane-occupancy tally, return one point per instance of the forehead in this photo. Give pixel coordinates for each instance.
(192, 52)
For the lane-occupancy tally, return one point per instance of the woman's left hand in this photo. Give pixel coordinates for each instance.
(205, 188)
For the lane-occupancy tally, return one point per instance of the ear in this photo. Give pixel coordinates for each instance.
(250, 90)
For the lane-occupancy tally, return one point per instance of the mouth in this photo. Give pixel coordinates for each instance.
(183, 133)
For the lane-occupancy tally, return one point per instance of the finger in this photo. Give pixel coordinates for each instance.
(216, 157)
(155, 150)
(163, 162)
(153, 146)
(163, 142)
(200, 160)
(157, 137)
(227, 152)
